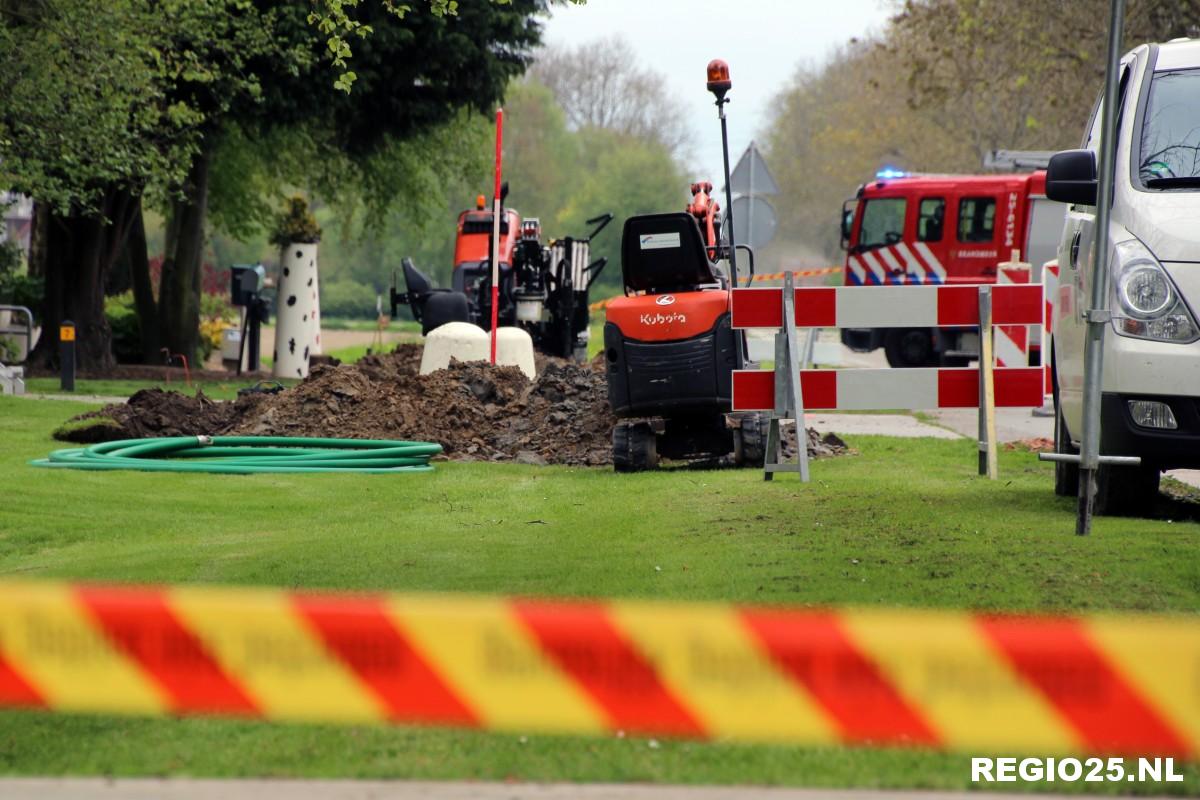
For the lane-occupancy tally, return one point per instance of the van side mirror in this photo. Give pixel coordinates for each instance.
(1071, 177)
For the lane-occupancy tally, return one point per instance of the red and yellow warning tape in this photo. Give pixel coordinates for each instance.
(946, 680)
(800, 273)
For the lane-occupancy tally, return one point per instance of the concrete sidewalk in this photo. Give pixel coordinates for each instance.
(1012, 424)
(181, 789)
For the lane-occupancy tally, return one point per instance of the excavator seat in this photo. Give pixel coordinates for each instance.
(665, 253)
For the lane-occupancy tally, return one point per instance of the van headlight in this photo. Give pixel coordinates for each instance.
(1146, 304)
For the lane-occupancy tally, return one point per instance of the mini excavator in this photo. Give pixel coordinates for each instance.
(669, 344)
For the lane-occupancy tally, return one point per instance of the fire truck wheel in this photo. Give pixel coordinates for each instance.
(909, 347)
(751, 440)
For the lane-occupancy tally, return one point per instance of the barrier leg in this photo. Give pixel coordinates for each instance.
(772, 456)
(789, 399)
(988, 464)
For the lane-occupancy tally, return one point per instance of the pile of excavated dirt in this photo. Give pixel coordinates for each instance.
(474, 410)
(153, 412)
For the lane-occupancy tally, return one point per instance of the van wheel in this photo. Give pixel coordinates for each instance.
(1066, 476)
(1126, 491)
(909, 347)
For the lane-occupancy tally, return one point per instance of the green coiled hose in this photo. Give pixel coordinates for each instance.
(242, 455)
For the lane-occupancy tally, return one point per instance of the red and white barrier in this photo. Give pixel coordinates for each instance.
(924, 306)
(900, 389)
(1012, 341)
(887, 306)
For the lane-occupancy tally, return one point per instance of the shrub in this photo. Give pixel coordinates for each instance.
(122, 317)
(16, 287)
(296, 224)
(348, 298)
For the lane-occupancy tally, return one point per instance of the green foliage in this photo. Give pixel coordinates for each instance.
(332, 18)
(348, 298)
(541, 157)
(566, 176)
(296, 225)
(94, 95)
(397, 152)
(627, 177)
(216, 306)
(17, 287)
(122, 318)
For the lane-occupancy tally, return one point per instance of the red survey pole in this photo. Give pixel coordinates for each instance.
(496, 232)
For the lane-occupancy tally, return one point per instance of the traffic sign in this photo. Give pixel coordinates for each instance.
(751, 176)
(754, 221)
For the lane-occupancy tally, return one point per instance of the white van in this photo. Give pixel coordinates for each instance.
(1151, 375)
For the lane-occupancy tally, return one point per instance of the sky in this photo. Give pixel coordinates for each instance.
(764, 41)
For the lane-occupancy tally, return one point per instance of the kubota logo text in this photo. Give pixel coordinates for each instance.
(662, 319)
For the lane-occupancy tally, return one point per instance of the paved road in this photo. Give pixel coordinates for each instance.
(175, 789)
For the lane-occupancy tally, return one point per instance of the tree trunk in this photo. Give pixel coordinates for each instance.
(179, 296)
(143, 289)
(74, 253)
(38, 235)
(74, 292)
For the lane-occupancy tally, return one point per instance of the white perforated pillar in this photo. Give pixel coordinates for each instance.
(294, 325)
(314, 317)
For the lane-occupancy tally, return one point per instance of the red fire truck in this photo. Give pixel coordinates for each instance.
(922, 229)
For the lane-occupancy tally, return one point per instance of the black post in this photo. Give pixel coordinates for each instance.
(720, 84)
(66, 355)
(728, 194)
(258, 313)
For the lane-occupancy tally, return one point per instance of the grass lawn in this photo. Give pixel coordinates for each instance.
(904, 523)
(356, 324)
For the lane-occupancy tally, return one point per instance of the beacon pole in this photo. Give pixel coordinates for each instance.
(496, 233)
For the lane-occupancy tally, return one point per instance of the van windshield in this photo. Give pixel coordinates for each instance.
(1170, 154)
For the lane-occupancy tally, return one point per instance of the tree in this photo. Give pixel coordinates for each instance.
(832, 129)
(81, 130)
(103, 107)
(541, 157)
(601, 85)
(1016, 75)
(626, 176)
(415, 73)
(945, 82)
(139, 94)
